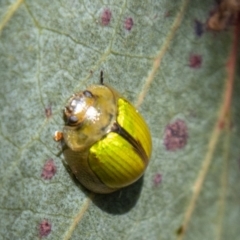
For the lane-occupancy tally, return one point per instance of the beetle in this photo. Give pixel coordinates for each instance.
(106, 142)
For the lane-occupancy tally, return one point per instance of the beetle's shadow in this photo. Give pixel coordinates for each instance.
(118, 202)
(121, 201)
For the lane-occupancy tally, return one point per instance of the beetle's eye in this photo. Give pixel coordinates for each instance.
(72, 120)
(87, 94)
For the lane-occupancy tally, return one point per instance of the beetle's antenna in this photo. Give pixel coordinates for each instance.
(101, 77)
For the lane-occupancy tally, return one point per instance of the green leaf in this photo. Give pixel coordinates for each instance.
(50, 49)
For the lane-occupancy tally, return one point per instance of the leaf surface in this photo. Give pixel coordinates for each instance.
(154, 53)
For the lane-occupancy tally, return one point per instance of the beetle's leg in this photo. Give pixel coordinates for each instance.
(58, 136)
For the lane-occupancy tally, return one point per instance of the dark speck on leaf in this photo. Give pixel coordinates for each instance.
(48, 111)
(199, 28)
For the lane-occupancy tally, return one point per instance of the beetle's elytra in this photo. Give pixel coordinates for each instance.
(108, 143)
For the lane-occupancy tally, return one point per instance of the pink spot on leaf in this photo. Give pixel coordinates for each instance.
(49, 170)
(195, 61)
(157, 179)
(45, 228)
(128, 23)
(175, 135)
(106, 17)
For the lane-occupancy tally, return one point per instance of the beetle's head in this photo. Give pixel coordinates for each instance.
(77, 108)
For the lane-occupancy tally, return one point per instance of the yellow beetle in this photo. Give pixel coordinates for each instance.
(108, 143)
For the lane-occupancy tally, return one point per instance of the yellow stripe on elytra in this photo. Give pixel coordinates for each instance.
(115, 169)
(125, 164)
(115, 162)
(129, 119)
(103, 150)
